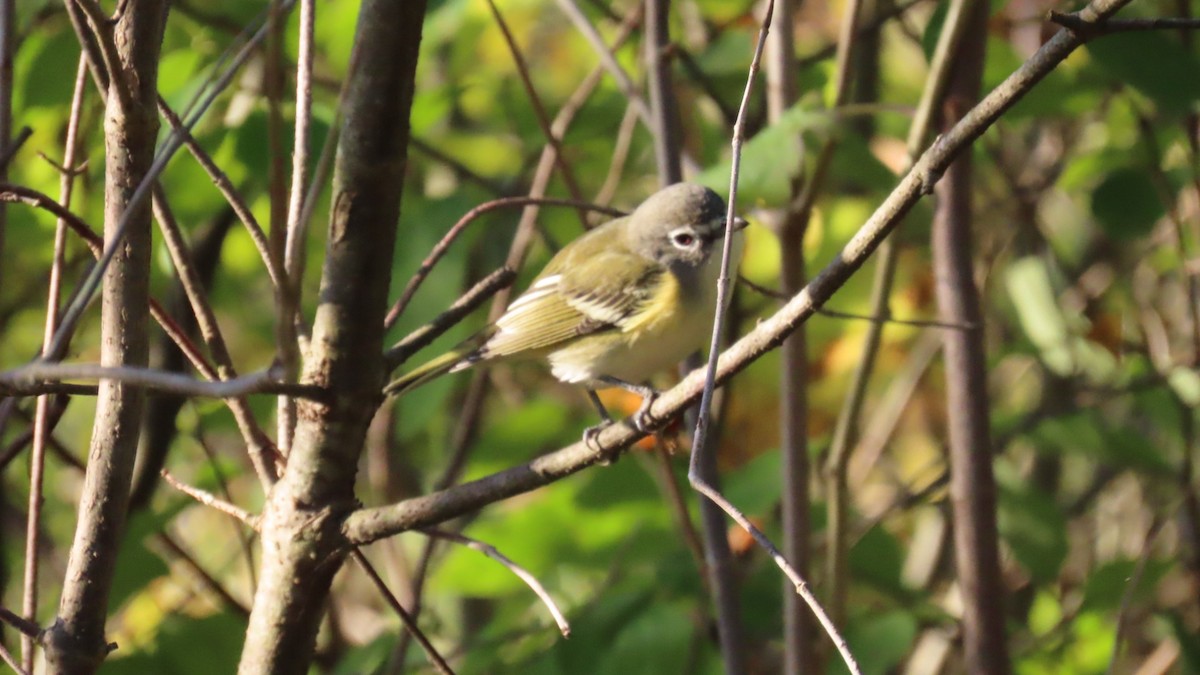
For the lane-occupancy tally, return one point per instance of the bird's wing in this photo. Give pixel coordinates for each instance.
(565, 304)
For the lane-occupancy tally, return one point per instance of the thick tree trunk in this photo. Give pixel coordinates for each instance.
(301, 540)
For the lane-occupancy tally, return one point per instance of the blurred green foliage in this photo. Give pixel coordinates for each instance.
(1087, 240)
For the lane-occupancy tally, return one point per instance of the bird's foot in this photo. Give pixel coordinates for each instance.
(590, 439)
(641, 418)
(592, 433)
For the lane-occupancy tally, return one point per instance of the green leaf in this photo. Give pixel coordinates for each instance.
(137, 565)
(1099, 440)
(656, 641)
(1029, 286)
(1185, 382)
(624, 482)
(45, 69)
(1032, 525)
(876, 558)
(1153, 62)
(771, 159)
(1108, 584)
(1126, 204)
(755, 486)
(1188, 640)
(880, 642)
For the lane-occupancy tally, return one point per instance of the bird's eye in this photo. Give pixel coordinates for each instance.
(683, 239)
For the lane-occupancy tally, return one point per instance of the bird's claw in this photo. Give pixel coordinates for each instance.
(591, 433)
(641, 419)
(590, 436)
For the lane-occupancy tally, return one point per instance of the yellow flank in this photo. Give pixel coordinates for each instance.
(660, 312)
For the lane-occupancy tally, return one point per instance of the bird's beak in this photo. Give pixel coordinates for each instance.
(718, 230)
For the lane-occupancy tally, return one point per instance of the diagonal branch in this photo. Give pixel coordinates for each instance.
(370, 524)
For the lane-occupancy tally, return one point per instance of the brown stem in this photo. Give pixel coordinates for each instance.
(42, 423)
(301, 542)
(8, 38)
(76, 642)
(972, 484)
(664, 111)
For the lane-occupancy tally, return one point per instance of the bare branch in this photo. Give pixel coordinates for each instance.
(1091, 29)
(589, 32)
(370, 524)
(262, 452)
(206, 578)
(539, 111)
(208, 499)
(523, 574)
(695, 474)
(443, 245)
(226, 188)
(30, 380)
(12, 662)
(41, 420)
(473, 298)
(25, 626)
(410, 624)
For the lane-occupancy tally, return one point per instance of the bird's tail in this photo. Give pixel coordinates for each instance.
(429, 371)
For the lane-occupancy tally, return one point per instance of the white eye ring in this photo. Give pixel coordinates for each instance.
(684, 239)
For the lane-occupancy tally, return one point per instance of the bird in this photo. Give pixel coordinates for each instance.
(614, 306)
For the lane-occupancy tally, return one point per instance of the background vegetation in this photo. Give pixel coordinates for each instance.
(1085, 213)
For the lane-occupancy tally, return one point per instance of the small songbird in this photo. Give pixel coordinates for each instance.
(614, 306)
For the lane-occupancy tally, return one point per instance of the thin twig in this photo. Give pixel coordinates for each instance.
(288, 249)
(521, 573)
(262, 452)
(41, 422)
(206, 578)
(835, 314)
(221, 180)
(1090, 29)
(473, 298)
(443, 245)
(846, 431)
(300, 144)
(13, 147)
(539, 111)
(209, 499)
(371, 524)
(620, 154)
(89, 286)
(12, 662)
(710, 376)
(1131, 587)
(589, 33)
(410, 624)
(31, 379)
(25, 626)
(246, 540)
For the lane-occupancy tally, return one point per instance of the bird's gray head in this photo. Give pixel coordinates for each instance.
(679, 224)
